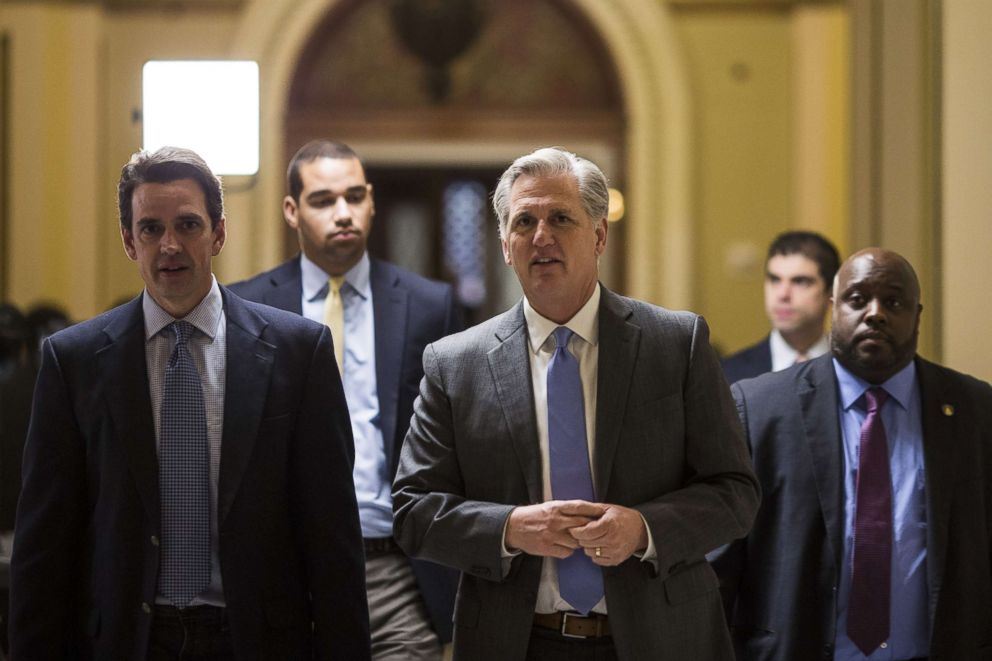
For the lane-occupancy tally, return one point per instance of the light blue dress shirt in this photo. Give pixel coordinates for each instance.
(909, 631)
(208, 348)
(372, 484)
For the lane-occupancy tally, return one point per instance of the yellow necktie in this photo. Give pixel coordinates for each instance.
(334, 318)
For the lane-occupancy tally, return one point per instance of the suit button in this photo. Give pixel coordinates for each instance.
(154, 540)
(145, 607)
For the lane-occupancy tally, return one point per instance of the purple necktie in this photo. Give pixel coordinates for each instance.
(868, 606)
(580, 581)
(184, 477)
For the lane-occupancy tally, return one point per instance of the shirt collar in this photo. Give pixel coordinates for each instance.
(899, 386)
(205, 316)
(785, 355)
(584, 323)
(315, 278)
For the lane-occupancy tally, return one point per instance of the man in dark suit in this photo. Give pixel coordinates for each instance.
(187, 474)
(874, 538)
(799, 271)
(386, 315)
(576, 482)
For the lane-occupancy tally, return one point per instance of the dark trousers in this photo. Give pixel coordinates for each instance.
(199, 633)
(548, 645)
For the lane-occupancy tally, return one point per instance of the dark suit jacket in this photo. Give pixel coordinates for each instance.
(749, 362)
(781, 581)
(409, 311)
(667, 444)
(85, 561)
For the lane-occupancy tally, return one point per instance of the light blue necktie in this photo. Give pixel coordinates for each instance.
(184, 477)
(580, 581)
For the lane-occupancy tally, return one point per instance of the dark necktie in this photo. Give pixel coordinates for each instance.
(184, 477)
(868, 605)
(580, 581)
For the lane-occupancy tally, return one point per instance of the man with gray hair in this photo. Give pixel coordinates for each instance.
(576, 456)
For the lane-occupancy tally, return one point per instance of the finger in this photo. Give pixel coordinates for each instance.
(581, 508)
(568, 522)
(587, 536)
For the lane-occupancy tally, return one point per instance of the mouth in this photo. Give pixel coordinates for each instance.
(344, 235)
(544, 261)
(172, 270)
(872, 338)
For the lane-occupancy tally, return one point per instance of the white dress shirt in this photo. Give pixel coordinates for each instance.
(584, 345)
(783, 355)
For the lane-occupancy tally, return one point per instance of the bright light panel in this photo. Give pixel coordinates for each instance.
(210, 107)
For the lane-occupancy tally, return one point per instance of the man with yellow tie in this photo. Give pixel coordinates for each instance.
(380, 317)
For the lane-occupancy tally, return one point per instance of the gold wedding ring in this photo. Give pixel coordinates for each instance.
(599, 552)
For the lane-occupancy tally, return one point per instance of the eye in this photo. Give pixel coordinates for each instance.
(190, 225)
(150, 229)
(355, 195)
(522, 222)
(562, 218)
(895, 303)
(855, 300)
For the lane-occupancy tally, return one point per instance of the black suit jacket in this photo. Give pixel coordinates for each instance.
(780, 583)
(749, 362)
(86, 555)
(410, 312)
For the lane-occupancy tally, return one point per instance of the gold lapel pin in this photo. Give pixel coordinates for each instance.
(947, 409)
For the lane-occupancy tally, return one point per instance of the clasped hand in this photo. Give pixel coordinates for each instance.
(558, 527)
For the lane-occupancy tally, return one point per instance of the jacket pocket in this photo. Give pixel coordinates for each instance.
(694, 581)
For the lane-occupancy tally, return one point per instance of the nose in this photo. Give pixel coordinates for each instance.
(342, 212)
(543, 235)
(875, 312)
(169, 245)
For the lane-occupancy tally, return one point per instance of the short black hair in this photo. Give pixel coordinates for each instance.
(163, 166)
(310, 152)
(812, 246)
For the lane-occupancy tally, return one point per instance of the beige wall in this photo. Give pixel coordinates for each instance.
(771, 133)
(54, 119)
(967, 187)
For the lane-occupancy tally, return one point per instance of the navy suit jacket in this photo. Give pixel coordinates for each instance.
(749, 362)
(85, 562)
(780, 583)
(410, 312)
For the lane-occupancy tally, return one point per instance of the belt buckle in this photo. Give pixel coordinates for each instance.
(564, 622)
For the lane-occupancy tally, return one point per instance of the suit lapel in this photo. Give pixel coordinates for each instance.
(287, 287)
(618, 344)
(817, 392)
(938, 435)
(122, 365)
(249, 367)
(389, 309)
(511, 377)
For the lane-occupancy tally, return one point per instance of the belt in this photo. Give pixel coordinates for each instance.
(380, 546)
(574, 625)
(199, 613)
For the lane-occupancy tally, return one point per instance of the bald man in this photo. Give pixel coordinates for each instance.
(873, 537)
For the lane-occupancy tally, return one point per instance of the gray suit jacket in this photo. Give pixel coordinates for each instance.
(780, 583)
(668, 444)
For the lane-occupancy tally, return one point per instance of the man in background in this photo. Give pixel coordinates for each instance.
(187, 472)
(799, 271)
(381, 317)
(874, 538)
